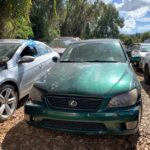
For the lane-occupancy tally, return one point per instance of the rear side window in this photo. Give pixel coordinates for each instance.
(42, 49)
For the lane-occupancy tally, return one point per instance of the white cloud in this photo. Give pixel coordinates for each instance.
(131, 5)
(133, 11)
(129, 25)
(139, 13)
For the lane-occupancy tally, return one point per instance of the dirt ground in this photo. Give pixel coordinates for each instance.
(15, 134)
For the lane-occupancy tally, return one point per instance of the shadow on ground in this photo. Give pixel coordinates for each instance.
(25, 137)
(146, 88)
(22, 101)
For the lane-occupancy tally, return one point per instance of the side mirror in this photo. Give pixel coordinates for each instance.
(26, 59)
(135, 59)
(55, 59)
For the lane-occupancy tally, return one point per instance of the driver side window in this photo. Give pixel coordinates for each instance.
(28, 51)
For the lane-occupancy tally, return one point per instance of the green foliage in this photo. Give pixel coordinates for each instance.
(15, 19)
(88, 20)
(136, 38)
(78, 14)
(108, 25)
(47, 19)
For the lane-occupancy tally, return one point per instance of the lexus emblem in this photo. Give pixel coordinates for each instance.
(72, 103)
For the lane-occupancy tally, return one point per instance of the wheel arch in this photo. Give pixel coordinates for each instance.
(14, 85)
(146, 65)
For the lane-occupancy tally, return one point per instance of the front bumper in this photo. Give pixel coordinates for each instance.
(121, 121)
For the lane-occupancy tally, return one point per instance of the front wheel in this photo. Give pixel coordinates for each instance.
(146, 75)
(8, 101)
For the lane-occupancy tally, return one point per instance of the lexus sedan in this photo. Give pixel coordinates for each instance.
(92, 89)
(22, 62)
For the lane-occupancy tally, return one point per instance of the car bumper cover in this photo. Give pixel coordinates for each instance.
(113, 121)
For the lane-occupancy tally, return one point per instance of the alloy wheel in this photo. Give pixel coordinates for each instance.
(8, 102)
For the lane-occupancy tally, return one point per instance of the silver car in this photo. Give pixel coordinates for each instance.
(22, 62)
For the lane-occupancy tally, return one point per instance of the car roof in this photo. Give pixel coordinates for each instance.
(17, 41)
(20, 41)
(67, 37)
(97, 41)
(145, 43)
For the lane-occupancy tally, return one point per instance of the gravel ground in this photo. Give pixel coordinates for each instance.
(15, 134)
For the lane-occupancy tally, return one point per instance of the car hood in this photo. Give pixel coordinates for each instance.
(142, 54)
(94, 79)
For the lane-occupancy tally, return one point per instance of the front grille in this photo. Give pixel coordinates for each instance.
(82, 103)
(71, 125)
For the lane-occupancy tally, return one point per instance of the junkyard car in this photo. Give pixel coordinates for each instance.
(139, 51)
(146, 68)
(61, 43)
(22, 62)
(91, 90)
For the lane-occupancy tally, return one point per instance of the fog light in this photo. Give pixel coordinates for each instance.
(131, 125)
(37, 118)
(27, 117)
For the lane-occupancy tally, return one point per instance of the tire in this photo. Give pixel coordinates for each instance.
(146, 75)
(8, 102)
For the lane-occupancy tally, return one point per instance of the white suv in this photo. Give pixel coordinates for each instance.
(146, 68)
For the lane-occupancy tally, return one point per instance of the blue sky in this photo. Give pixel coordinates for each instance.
(136, 14)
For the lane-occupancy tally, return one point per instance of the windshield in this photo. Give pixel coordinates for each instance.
(145, 48)
(94, 52)
(7, 50)
(60, 43)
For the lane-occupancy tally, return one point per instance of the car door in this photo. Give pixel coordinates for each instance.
(29, 72)
(45, 57)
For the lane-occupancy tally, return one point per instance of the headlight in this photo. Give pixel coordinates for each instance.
(124, 100)
(35, 94)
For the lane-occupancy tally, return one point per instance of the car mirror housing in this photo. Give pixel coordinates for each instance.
(55, 59)
(135, 59)
(26, 59)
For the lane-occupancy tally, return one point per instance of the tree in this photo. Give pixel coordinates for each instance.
(14, 19)
(78, 14)
(45, 18)
(108, 25)
(89, 20)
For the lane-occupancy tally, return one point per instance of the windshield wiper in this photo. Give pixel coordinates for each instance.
(103, 61)
(67, 61)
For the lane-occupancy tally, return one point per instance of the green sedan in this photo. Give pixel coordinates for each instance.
(92, 90)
